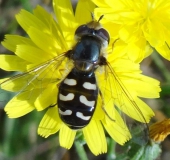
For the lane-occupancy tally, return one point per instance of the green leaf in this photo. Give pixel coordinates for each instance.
(150, 151)
(140, 147)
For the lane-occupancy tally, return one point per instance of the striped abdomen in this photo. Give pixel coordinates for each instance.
(77, 100)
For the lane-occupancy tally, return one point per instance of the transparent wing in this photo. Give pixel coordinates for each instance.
(118, 95)
(34, 87)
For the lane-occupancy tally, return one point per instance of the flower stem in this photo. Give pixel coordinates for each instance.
(80, 150)
(111, 149)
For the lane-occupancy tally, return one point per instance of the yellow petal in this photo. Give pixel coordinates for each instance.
(53, 29)
(121, 70)
(117, 129)
(164, 50)
(50, 123)
(24, 82)
(136, 42)
(66, 137)
(136, 109)
(49, 72)
(102, 4)
(27, 20)
(32, 54)
(152, 85)
(157, 37)
(65, 17)
(12, 63)
(21, 104)
(47, 42)
(118, 50)
(112, 28)
(98, 113)
(104, 106)
(84, 9)
(127, 34)
(47, 98)
(10, 85)
(153, 34)
(109, 14)
(95, 137)
(137, 49)
(11, 41)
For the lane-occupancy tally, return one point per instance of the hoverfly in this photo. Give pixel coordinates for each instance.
(78, 89)
(78, 92)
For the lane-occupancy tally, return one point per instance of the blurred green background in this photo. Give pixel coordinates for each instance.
(18, 137)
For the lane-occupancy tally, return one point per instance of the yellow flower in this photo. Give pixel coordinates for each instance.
(140, 25)
(160, 130)
(41, 59)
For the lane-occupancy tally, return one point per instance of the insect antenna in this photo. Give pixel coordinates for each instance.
(101, 17)
(92, 16)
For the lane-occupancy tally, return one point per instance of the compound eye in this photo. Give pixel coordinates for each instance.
(81, 30)
(102, 33)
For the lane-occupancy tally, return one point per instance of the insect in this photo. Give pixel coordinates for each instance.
(78, 90)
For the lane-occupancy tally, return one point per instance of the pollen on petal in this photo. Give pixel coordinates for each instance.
(159, 130)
